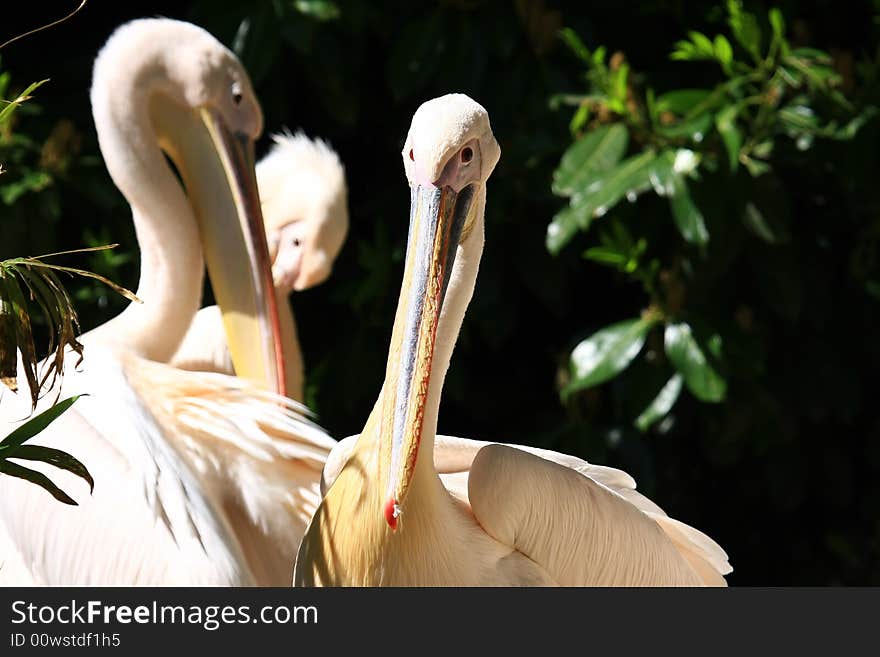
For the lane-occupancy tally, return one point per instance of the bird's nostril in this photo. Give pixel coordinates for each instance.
(467, 154)
(297, 241)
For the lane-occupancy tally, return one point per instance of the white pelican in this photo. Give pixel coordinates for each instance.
(485, 514)
(200, 478)
(305, 210)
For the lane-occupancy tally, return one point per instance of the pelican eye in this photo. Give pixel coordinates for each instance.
(467, 154)
(237, 96)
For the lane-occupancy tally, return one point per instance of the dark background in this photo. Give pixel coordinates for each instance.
(782, 473)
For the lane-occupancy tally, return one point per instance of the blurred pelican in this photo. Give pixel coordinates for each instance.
(476, 513)
(200, 478)
(305, 210)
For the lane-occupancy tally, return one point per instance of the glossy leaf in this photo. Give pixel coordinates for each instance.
(689, 357)
(631, 176)
(662, 403)
(593, 154)
(606, 353)
(562, 228)
(687, 215)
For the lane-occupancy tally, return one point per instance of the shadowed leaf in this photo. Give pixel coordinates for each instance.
(662, 403)
(56, 457)
(38, 478)
(690, 359)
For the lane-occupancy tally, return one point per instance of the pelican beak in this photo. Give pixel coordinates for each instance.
(437, 217)
(239, 266)
(217, 168)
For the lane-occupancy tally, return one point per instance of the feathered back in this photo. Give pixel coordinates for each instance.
(297, 176)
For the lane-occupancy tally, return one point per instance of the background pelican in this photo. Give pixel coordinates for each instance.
(305, 210)
(502, 515)
(200, 478)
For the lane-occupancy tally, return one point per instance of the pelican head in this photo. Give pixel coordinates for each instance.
(305, 206)
(448, 156)
(166, 82)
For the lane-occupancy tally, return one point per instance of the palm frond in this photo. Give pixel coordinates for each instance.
(31, 280)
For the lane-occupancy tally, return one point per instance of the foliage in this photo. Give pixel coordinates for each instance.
(781, 471)
(631, 140)
(45, 291)
(43, 286)
(13, 447)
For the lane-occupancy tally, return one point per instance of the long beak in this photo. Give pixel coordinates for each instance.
(246, 298)
(437, 216)
(217, 168)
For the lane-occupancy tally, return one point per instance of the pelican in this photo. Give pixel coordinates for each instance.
(304, 200)
(406, 508)
(201, 478)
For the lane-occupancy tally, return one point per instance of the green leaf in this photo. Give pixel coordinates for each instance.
(575, 45)
(8, 107)
(684, 51)
(56, 457)
(562, 228)
(852, 127)
(681, 101)
(662, 403)
(820, 56)
(798, 118)
(35, 425)
(589, 156)
(756, 167)
(630, 177)
(320, 10)
(617, 89)
(690, 359)
(38, 478)
(579, 118)
(725, 122)
(777, 23)
(745, 28)
(606, 255)
(606, 353)
(764, 227)
(702, 43)
(694, 128)
(687, 216)
(724, 53)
